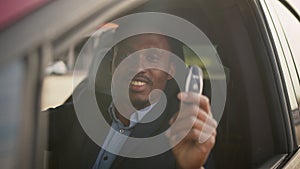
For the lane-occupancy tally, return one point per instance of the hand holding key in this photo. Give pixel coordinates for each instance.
(198, 140)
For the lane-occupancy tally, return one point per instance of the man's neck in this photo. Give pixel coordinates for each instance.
(126, 120)
(123, 119)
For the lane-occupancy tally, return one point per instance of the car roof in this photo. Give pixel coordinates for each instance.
(13, 10)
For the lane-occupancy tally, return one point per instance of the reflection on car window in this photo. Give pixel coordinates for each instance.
(291, 27)
(11, 83)
(288, 32)
(59, 81)
(282, 50)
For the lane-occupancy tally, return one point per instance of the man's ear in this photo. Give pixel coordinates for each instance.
(172, 71)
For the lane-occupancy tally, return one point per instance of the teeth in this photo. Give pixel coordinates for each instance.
(137, 83)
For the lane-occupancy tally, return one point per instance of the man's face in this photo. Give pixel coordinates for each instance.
(145, 79)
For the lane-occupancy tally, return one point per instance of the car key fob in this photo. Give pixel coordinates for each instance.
(194, 80)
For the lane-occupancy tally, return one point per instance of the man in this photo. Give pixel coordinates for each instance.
(70, 147)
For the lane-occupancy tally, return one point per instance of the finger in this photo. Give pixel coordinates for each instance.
(189, 97)
(190, 120)
(186, 121)
(182, 136)
(183, 125)
(187, 110)
(195, 98)
(205, 117)
(172, 120)
(193, 135)
(186, 125)
(192, 111)
(205, 104)
(209, 120)
(206, 137)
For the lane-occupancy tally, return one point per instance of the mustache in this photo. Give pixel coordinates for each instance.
(143, 78)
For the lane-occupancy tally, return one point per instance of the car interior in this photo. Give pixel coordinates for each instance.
(249, 132)
(252, 131)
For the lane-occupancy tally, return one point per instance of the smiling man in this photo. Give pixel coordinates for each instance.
(148, 67)
(142, 67)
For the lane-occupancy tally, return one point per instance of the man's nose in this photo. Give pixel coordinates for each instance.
(138, 63)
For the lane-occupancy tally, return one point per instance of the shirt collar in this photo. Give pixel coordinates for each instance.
(134, 117)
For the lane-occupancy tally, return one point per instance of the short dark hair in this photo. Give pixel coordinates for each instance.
(175, 45)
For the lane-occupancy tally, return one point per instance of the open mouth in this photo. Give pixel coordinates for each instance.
(137, 83)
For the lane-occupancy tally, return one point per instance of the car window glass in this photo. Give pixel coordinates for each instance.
(281, 49)
(192, 59)
(11, 83)
(291, 27)
(287, 31)
(67, 70)
(58, 83)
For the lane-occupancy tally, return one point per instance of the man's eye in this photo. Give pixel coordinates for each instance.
(124, 56)
(152, 58)
(121, 57)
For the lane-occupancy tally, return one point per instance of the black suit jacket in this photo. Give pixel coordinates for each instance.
(71, 148)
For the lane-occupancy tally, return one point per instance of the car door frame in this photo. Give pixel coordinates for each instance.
(286, 69)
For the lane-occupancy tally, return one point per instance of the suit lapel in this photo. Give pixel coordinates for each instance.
(91, 149)
(89, 153)
(144, 130)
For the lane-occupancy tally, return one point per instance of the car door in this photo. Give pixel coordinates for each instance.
(284, 28)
